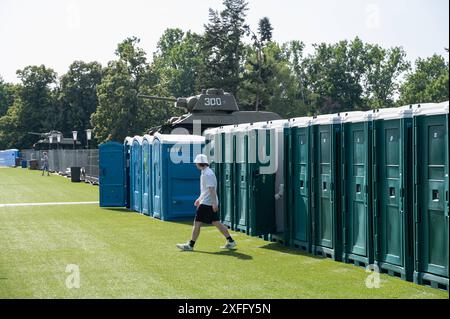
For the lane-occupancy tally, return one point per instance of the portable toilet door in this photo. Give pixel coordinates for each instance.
(227, 175)
(282, 231)
(180, 178)
(183, 177)
(325, 179)
(127, 149)
(112, 177)
(241, 190)
(261, 176)
(136, 174)
(146, 171)
(298, 183)
(357, 243)
(392, 196)
(213, 150)
(431, 201)
(156, 178)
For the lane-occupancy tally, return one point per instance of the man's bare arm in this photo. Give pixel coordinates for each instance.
(212, 192)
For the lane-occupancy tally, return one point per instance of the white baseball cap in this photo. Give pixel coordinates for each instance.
(201, 159)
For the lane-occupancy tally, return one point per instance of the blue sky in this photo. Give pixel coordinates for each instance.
(57, 32)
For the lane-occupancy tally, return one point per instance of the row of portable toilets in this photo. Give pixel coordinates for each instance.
(152, 175)
(368, 188)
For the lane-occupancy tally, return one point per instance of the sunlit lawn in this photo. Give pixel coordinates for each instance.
(126, 255)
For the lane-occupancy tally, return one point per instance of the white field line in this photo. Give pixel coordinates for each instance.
(47, 204)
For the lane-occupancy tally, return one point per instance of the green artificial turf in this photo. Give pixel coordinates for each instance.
(126, 255)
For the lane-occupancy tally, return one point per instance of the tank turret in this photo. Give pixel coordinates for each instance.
(213, 108)
(211, 100)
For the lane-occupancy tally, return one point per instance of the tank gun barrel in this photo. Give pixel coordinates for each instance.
(156, 98)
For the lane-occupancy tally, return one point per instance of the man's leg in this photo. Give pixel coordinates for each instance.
(221, 227)
(230, 242)
(196, 231)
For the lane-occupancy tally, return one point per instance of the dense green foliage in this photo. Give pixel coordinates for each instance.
(77, 96)
(263, 75)
(428, 83)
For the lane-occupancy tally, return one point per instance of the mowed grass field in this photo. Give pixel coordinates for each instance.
(122, 254)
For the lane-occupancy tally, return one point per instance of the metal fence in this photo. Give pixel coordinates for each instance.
(60, 161)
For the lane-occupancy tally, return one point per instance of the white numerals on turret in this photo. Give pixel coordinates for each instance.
(211, 101)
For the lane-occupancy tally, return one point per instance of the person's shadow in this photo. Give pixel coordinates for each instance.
(231, 253)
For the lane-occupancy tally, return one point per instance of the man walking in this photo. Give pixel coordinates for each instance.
(45, 164)
(207, 206)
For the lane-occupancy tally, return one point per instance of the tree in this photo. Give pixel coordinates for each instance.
(253, 92)
(283, 87)
(9, 136)
(117, 114)
(77, 96)
(265, 30)
(384, 67)
(429, 82)
(222, 47)
(277, 89)
(33, 109)
(7, 91)
(120, 112)
(294, 54)
(334, 76)
(176, 62)
(256, 71)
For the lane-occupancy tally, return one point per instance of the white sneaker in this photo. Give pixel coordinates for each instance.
(185, 247)
(229, 245)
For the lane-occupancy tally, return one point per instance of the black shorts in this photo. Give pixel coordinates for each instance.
(205, 214)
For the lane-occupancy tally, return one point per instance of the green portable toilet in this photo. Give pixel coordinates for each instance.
(261, 180)
(357, 243)
(298, 182)
(213, 149)
(241, 177)
(431, 202)
(326, 222)
(391, 191)
(280, 129)
(226, 197)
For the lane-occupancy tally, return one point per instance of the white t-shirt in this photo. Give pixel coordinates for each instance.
(207, 180)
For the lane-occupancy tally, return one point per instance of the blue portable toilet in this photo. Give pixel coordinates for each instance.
(175, 178)
(147, 144)
(136, 174)
(112, 175)
(127, 149)
(8, 157)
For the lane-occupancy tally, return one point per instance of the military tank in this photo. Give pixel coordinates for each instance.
(213, 108)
